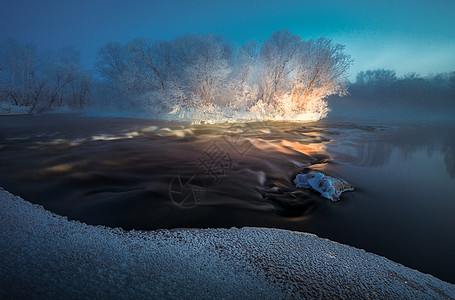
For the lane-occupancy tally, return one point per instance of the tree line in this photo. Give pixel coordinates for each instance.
(281, 75)
(42, 80)
(384, 87)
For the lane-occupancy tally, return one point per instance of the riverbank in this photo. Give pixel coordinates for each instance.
(44, 256)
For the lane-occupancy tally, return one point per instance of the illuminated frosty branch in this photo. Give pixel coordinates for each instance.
(283, 76)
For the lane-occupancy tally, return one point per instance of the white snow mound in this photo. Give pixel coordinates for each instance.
(329, 187)
(46, 256)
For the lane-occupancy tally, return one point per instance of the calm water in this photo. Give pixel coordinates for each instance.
(145, 174)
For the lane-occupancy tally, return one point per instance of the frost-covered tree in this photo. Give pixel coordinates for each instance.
(42, 80)
(122, 70)
(189, 71)
(146, 69)
(111, 61)
(296, 75)
(284, 74)
(60, 69)
(18, 74)
(246, 59)
(277, 61)
(196, 70)
(321, 70)
(207, 71)
(243, 84)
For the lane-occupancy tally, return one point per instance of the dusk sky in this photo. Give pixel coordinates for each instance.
(408, 36)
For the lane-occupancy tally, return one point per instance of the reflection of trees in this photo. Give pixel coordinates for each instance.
(448, 149)
(376, 150)
(373, 154)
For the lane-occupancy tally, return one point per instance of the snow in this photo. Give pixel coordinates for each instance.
(329, 187)
(209, 114)
(43, 255)
(10, 109)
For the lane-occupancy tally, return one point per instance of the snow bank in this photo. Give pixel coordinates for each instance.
(43, 255)
(209, 114)
(329, 187)
(9, 109)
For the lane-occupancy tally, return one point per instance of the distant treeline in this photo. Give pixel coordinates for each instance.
(382, 88)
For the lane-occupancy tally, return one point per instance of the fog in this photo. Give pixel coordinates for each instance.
(380, 94)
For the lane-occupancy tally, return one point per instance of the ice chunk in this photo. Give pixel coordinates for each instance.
(329, 187)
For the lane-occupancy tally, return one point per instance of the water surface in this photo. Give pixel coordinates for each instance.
(145, 174)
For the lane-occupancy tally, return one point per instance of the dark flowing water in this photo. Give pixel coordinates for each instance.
(146, 174)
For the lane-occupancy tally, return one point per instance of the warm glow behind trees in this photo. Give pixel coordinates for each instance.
(281, 76)
(299, 74)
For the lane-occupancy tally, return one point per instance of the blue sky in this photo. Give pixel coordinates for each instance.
(408, 36)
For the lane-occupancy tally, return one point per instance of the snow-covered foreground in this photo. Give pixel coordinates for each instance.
(43, 255)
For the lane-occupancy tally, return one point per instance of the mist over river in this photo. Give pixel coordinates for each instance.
(147, 174)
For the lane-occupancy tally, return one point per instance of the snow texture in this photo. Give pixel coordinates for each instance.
(45, 256)
(9, 109)
(329, 187)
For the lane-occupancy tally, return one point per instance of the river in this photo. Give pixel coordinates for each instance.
(148, 174)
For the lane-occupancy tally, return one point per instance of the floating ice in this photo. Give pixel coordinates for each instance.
(329, 187)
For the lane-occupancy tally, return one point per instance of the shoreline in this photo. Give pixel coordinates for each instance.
(43, 255)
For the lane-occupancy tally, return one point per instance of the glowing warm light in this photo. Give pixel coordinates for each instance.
(310, 150)
(63, 168)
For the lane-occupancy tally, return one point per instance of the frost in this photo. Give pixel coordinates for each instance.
(45, 254)
(329, 187)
